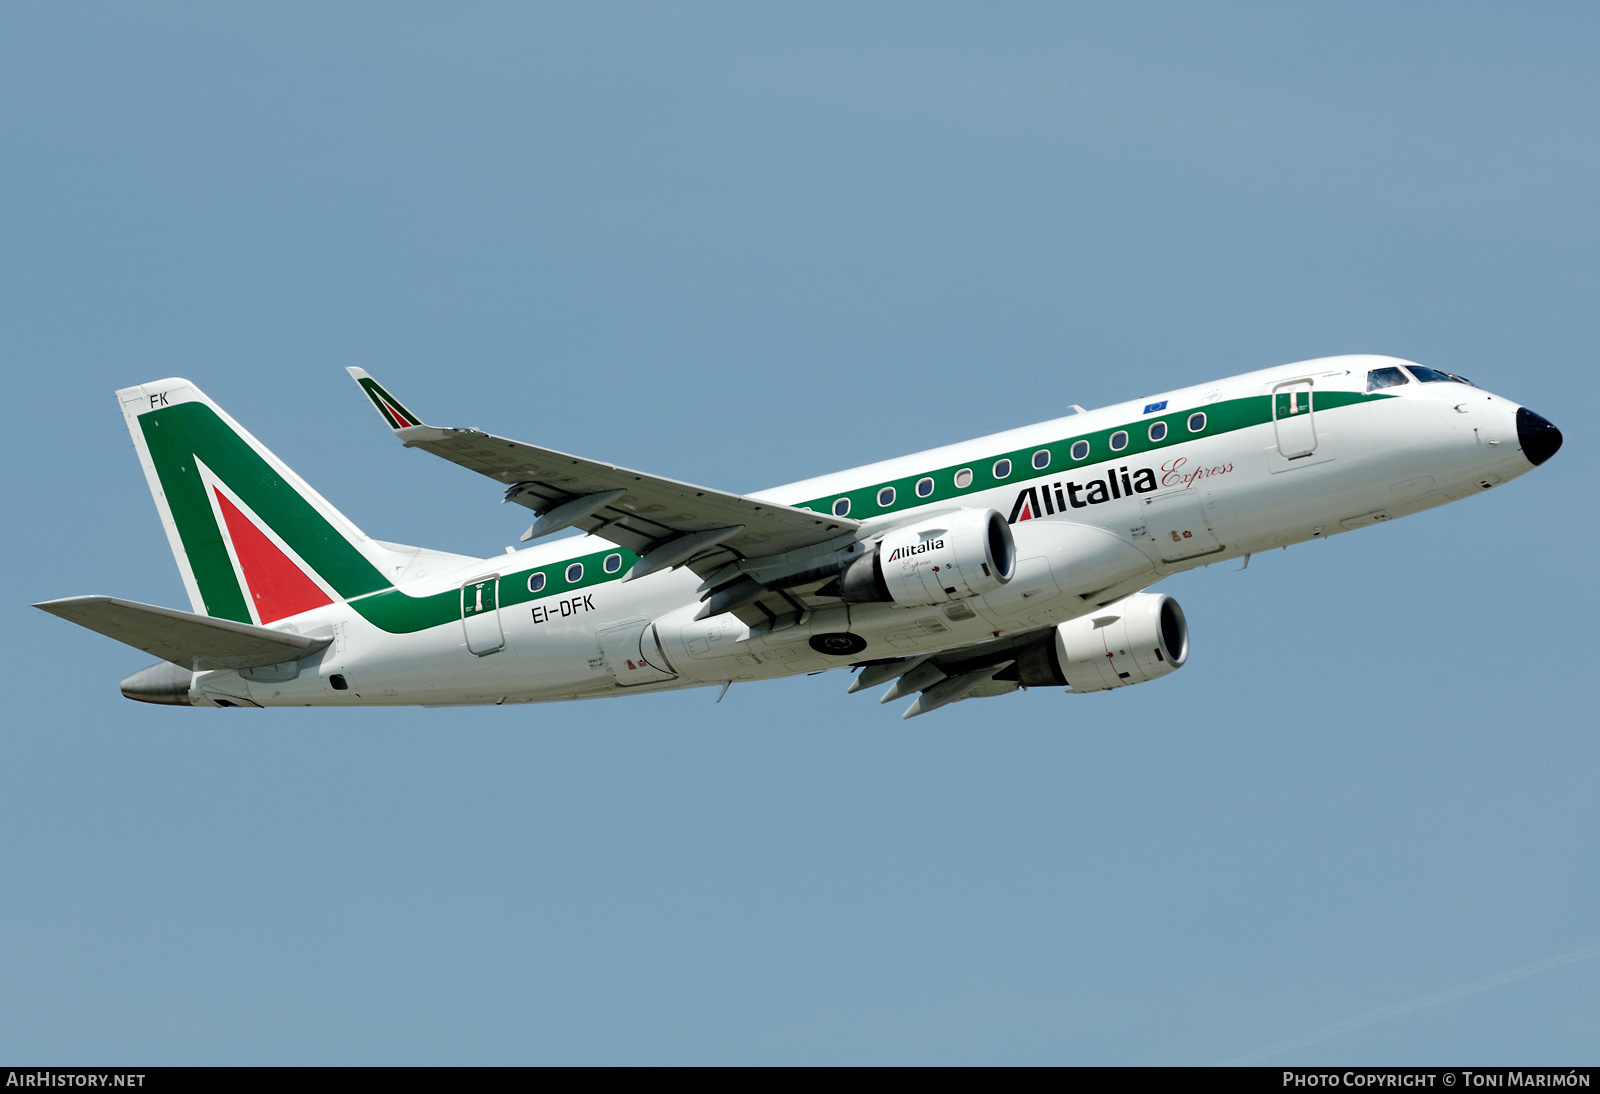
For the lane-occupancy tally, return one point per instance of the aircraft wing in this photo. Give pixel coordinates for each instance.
(196, 642)
(667, 523)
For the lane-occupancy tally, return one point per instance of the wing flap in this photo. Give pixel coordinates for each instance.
(950, 675)
(198, 642)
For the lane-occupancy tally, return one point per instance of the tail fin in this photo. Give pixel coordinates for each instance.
(253, 541)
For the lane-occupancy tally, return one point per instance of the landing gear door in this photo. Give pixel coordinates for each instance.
(1291, 418)
(480, 616)
(632, 654)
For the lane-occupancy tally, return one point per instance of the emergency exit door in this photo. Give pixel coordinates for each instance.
(480, 616)
(1291, 418)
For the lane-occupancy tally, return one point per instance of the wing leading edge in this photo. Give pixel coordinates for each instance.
(666, 522)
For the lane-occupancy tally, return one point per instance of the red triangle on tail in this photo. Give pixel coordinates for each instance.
(278, 587)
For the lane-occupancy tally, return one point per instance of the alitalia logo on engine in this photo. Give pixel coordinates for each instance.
(916, 549)
(1047, 500)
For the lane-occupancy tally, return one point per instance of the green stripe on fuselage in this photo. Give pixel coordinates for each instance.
(1222, 417)
(398, 613)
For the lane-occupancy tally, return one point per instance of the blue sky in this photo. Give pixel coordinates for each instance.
(743, 245)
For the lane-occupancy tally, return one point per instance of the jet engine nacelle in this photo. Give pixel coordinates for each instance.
(1135, 639)
(942, 557)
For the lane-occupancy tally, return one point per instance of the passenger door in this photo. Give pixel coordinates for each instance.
(480, 616)
(1291, 418)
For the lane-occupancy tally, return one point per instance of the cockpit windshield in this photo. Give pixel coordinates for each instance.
(1380, 378)
(1434, 376)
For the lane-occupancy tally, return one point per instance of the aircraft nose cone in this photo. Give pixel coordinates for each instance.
(1539, 439)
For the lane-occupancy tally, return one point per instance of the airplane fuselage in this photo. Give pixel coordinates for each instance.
(1101, 504)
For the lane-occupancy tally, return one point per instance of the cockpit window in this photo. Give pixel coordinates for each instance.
(1434, 376)
(1380, 378)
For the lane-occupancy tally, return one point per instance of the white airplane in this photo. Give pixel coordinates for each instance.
(1011, 561)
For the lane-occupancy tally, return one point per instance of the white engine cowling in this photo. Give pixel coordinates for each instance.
(944, 557)
(1138, 638)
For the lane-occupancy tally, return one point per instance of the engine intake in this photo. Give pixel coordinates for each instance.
(945, 557)
(1138, 638)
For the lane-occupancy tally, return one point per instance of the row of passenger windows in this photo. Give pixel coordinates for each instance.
(1041, 461)
(536, 580)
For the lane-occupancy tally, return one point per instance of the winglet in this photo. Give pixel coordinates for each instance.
(393, 411)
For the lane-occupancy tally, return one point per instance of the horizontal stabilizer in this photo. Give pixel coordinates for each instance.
(197, 642)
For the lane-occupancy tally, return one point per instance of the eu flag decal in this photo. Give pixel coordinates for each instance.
(1151, 408)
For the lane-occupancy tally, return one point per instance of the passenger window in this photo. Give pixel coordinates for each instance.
(924, 487)
(1197, 421)
(1002, 469)
(886, 497)
(1158, 431)
(1041, 459)
(1080, 450)
(963, 478)
(574, 573)
(1380, 378)
(613, 563)
(536, 581)
(1119, 441)
(841, 508)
